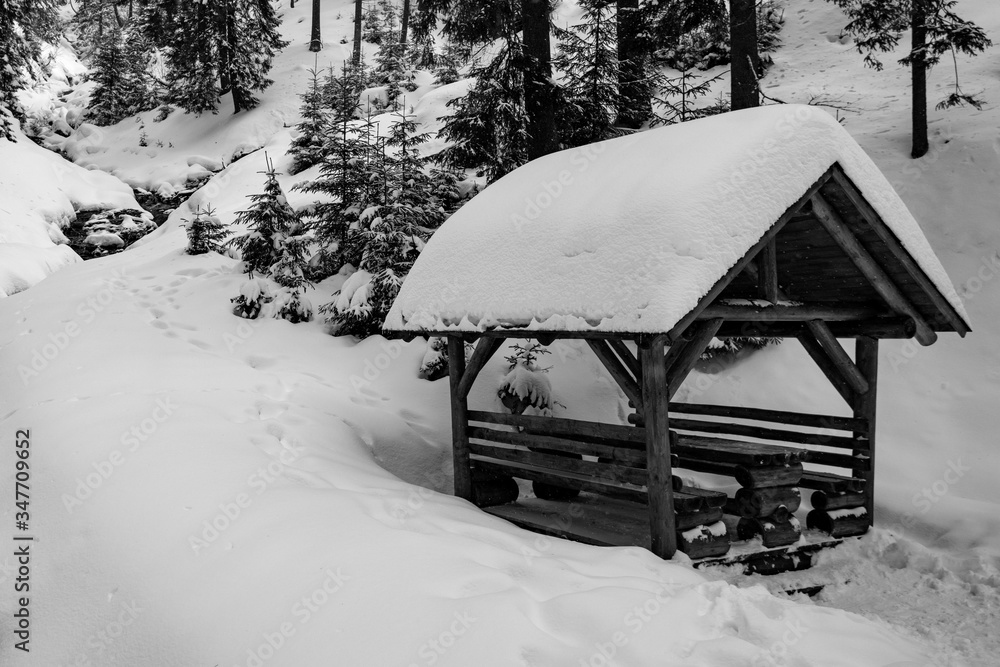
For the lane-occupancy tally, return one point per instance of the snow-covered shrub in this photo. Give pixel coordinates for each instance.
(291, 305)
(526, 385)
(205, 232)
(435, 363)
(253, 295)
(269, 215)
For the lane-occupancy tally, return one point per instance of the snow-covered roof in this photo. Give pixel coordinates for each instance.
(628, 235)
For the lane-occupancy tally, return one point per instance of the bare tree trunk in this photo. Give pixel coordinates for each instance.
(358, 14)
(633, 91)
(315, 41)
(918, 22)
(539, 101)
(743, 49)
(405, 19)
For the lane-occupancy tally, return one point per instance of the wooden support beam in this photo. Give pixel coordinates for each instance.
(741, 264)
(767, 278)
(889, 327)
(617, 369)
(780, 313)
(485, 349)
(865, 408)
(630, 360)
(878, 278)
(688, 356)
(559, 427)
(459, 419)
(822, 360)
(777, 416)
(888, 237)
(838, 356)
(655, 408)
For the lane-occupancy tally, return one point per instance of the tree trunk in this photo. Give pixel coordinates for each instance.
(918, 21)
(743, 49)
(405, 19)
(633, 90)
(539, 101)
(316, 40)
(358, 18)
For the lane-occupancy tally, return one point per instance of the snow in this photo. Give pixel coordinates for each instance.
(160, 412)
(645, 226)
(848, 512)
(40, 193)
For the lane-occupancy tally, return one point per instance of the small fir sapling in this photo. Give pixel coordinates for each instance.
(290, 274)
(253, 295)
(525, 385)
(205, 232)
(435, 363)
(307, 148)
(269, 214)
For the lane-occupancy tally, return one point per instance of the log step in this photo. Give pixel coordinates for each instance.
(703, 517)
(773, 532)
(839, 523)
(489, 489)
(752, 477)
(821, 500)
(704, 541)
(733, 451)
(778, 501)
(831, 483)
(712, 499)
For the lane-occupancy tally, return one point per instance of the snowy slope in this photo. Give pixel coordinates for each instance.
(213, 491)
(40, 193)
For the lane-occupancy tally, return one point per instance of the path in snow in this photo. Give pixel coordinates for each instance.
(950, 603)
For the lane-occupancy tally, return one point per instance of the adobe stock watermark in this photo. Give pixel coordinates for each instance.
(776, 654)
(633, 623)
(437, 646)
(230, 511)
(301, 612)
(552, 189)
(986, 272)
(101, 641)
(374, 366)
(86, 312)
(924, 500)
(131, 441)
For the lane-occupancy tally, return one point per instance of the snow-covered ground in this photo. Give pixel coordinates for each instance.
(208, 490)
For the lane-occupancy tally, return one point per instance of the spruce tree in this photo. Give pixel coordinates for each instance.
(205, 232)
(935, 30)
(307, 147)
(588, 58)
(24, 26)
(119, 68)
(269, 216)
(488, 129)
(212, 48)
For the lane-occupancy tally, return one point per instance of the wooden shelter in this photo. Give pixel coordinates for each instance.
(828, 267)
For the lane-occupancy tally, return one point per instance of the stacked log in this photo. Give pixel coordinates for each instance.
(767, 503)
(701, 532)
(838, 514)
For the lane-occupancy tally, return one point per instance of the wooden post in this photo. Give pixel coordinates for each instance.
(866, 359)
(655, 409)
(459, 418)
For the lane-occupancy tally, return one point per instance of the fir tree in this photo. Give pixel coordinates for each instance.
(307, 148)
(935, 30)
(588, 58)
(268, 217)
(120, 61)
(212, 48)
(678, 97)
(489, 128)
(205, 232)
(24, 26)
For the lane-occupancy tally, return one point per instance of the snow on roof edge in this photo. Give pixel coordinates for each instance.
(552, 246)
